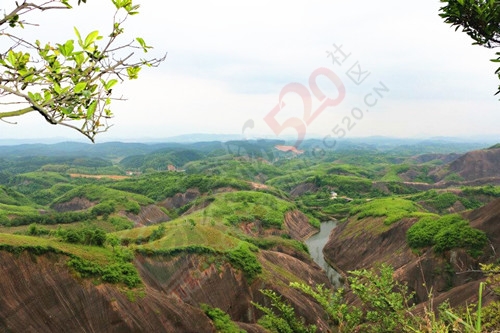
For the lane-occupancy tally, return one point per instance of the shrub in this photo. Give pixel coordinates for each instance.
(460, 235)
(53, 218)
(158, 233)
(281, 317)
(446, 233)
(35, 230)
(4, 220)
(244, 258)
(104, 208)
(121, 223)
(73, 236)
(422, 233)
(443, 200)
(132, 207)
(87, 235)
(221, 320)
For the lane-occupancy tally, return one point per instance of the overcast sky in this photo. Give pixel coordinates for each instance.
(228, 61)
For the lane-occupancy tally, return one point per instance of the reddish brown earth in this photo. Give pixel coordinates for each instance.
(474, 165)
(40, 294)
(297, 225)
(303, 188)
(147, 216)
(180, 199)
(446, 158)
(361, 244)
(194, 280)
(74, 204)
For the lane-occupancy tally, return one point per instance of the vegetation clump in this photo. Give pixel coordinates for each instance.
(221, 320)
(394, 209)
(243, 257)
(246, 206)
(446, 233)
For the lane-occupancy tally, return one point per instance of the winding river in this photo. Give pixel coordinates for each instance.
(316, 243)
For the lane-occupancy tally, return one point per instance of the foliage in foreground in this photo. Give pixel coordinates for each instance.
(283, 319)
(68, 83)
(385, 307)
(478, 19)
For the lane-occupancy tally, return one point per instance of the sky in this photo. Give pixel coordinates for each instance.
(400, 71)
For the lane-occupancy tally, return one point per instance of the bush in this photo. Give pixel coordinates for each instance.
(73, 236)
(422, 233)
(104, 208)
(281, 317)
(158, 233)
(221, 320)
(4, 220)
(35, 230)
(120, 272)
(460, 235)
(86, 236)
(132, 207)
(53, 218)
(243, 258)
(446, 233)
(121, 223)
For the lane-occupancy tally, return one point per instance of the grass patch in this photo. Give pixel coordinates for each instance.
(245, 206)
(112, 266)
(394, 209)
(104, 194)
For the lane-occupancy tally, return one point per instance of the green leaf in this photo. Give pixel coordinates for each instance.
(91, 38)
(79, 58)
(143, 44)
(79, 87)
(110, 84)
(11, 57)
(91, 110)
(34, 97)
(57, 89)
(67, 49)
(80, 42)
(47, 96)
(65, 2)
(133, 72)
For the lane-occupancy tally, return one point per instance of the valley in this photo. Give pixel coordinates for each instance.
(192, 237)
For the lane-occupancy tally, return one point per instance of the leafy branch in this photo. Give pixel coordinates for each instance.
(478, 19)
(71, 83)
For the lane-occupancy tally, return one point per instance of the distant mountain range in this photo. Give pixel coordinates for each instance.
(209, 142)
(207, 137)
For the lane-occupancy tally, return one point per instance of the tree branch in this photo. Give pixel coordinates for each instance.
(29, 7)
(16, 113)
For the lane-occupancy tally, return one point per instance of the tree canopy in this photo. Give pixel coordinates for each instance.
(68, 83)
(480, 19)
